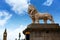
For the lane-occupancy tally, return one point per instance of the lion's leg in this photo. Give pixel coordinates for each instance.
(52, 21)
(45, 21)
(33, 20)
(37, 20)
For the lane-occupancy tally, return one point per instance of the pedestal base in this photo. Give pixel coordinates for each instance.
(43, 31)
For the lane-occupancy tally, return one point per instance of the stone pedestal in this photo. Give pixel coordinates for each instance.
(42, 32)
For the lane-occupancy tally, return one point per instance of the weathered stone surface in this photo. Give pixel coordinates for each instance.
(44, 36)
(43, 25)
(43, 31)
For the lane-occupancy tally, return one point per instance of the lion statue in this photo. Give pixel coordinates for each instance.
(36, 16)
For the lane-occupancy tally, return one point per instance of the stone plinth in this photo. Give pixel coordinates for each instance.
(43, 32)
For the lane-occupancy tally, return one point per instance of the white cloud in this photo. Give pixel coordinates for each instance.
(48, 3)
(19, 6)
(4, 17)
(12, 34)
(1, 34)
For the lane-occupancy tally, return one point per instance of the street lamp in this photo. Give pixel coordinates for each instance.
(16, 39)
(19, 35)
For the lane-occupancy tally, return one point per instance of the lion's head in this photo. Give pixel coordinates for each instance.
(31, 10)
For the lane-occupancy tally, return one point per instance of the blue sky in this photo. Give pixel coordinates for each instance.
(14, 16)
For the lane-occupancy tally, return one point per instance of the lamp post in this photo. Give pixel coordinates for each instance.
(19, 35)
(16, 39)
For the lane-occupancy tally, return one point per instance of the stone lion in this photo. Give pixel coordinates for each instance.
(36, 16)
